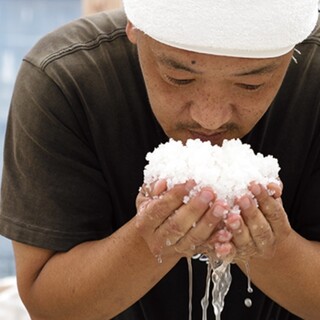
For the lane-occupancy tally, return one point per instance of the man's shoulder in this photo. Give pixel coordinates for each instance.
(312, 43)
(315, 35)
(303, 73)
(84, 34)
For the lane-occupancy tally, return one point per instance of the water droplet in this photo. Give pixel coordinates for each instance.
(248, 302)
(249, 288)
(217, 263)
(168, 243)
(159, 258)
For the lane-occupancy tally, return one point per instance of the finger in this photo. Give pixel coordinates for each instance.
(224, 251)
(272, 210)
(220, 242)
(258, 226)
(153, 211)
(158, 188)
(241, 237)
(185, 218)
(201, 231)
(275, 190)
(148, 192)
(154, 190)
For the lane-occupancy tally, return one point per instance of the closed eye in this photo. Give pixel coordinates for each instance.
(250, 87)
(178, 82)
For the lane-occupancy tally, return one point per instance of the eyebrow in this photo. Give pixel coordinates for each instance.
(172, 63)
(260, 70)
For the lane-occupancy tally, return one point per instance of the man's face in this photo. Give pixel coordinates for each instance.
(205, 96)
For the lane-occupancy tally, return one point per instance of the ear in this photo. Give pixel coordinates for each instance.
(131, 31)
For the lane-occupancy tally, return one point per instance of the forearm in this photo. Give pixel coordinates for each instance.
(99, 279)
(95, 280)
(291, 277)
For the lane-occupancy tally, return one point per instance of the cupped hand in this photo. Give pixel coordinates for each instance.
(262, 224)
(172, 226)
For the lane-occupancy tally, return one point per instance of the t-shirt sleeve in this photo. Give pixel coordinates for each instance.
(54, 194)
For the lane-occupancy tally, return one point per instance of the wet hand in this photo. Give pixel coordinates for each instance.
(262, 224)
(172, 227)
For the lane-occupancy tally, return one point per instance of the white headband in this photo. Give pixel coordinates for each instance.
(238, 28)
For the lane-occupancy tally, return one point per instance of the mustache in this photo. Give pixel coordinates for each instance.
(196, 126)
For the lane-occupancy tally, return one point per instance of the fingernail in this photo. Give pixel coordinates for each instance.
(255, 189)
(206, 196)
(189, 185)
(235, 225)
(245, 202)
(158, 186)
(219, 211)
(224, 236)
(222, 249)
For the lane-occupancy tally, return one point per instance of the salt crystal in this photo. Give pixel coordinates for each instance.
(228, 169)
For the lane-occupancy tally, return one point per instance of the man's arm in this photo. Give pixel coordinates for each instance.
(94, 280)
(284, 265)
(99, 279)
(291, 277)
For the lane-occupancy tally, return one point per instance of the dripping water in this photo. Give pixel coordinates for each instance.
(205, 299)
(221, 280)
(218, 274)
(248, 301)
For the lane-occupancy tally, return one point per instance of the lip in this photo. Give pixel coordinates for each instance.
(215, 138)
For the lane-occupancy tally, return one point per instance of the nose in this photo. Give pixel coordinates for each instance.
(211, 111)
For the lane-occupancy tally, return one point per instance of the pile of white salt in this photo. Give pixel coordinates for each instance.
(227, 169)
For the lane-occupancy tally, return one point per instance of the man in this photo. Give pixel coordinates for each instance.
(95, 96)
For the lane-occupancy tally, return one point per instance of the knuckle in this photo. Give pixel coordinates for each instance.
(264, 235)
(172, 227)
(193, 239)
(248, 250)
(177, 193)
(159, 207)
(141, 223)
(276, 213)
(158, 210)
(179, 248)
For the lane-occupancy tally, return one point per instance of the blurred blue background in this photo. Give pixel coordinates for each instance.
(22, 24)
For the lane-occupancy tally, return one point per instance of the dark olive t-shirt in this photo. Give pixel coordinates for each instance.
(79, 128)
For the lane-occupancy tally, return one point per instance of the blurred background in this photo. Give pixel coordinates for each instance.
(22, 24)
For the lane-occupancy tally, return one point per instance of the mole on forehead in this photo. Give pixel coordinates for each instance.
(173, 63)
